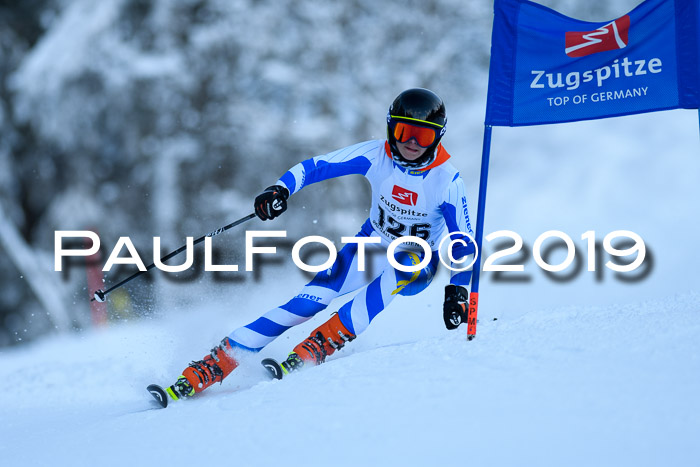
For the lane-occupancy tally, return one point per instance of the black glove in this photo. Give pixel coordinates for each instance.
(272, 202)
(454, 311)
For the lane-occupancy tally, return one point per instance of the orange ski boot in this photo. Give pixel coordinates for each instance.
(323, 341)
(201, 374)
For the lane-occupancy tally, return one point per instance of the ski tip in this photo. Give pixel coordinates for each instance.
(273, 368)
(158, 394)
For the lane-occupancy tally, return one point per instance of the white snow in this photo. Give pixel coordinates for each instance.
(616, 385)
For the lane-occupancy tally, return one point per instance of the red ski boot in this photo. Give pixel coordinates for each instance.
(323, 341)
(201, 374)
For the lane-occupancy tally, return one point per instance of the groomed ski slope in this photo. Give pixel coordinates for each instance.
(615, 385)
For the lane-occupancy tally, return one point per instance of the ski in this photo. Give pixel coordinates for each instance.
(158, 394)
(273, 368)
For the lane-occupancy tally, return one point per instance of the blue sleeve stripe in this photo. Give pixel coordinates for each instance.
(456, 176)
(309, 166)
(461, 278)
(345, 161)
(374, 301)
(324, 170)
(459, 251)
(289, 181)
(303, 307)
(449, 212)
(267, 327)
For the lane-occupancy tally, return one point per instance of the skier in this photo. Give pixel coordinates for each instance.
(415, 192)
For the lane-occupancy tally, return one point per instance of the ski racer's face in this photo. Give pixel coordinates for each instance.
(410, 150)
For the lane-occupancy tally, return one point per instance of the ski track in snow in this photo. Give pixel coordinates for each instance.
(615, 385)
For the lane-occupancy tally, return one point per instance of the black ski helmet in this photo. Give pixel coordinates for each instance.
(419, 107)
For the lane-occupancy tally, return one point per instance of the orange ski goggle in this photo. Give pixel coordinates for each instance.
(424, 136)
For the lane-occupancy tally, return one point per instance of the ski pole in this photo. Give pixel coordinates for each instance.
(99, 295)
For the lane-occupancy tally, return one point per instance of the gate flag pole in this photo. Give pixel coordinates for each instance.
(474, 293)
(533, 46)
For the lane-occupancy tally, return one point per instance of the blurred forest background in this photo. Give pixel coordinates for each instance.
(164, 118)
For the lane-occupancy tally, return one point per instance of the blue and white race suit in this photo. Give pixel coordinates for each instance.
(420, 203)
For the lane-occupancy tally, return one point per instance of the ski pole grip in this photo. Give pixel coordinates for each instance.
(99, 295)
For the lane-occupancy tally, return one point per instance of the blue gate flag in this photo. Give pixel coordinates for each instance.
(549, 68)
